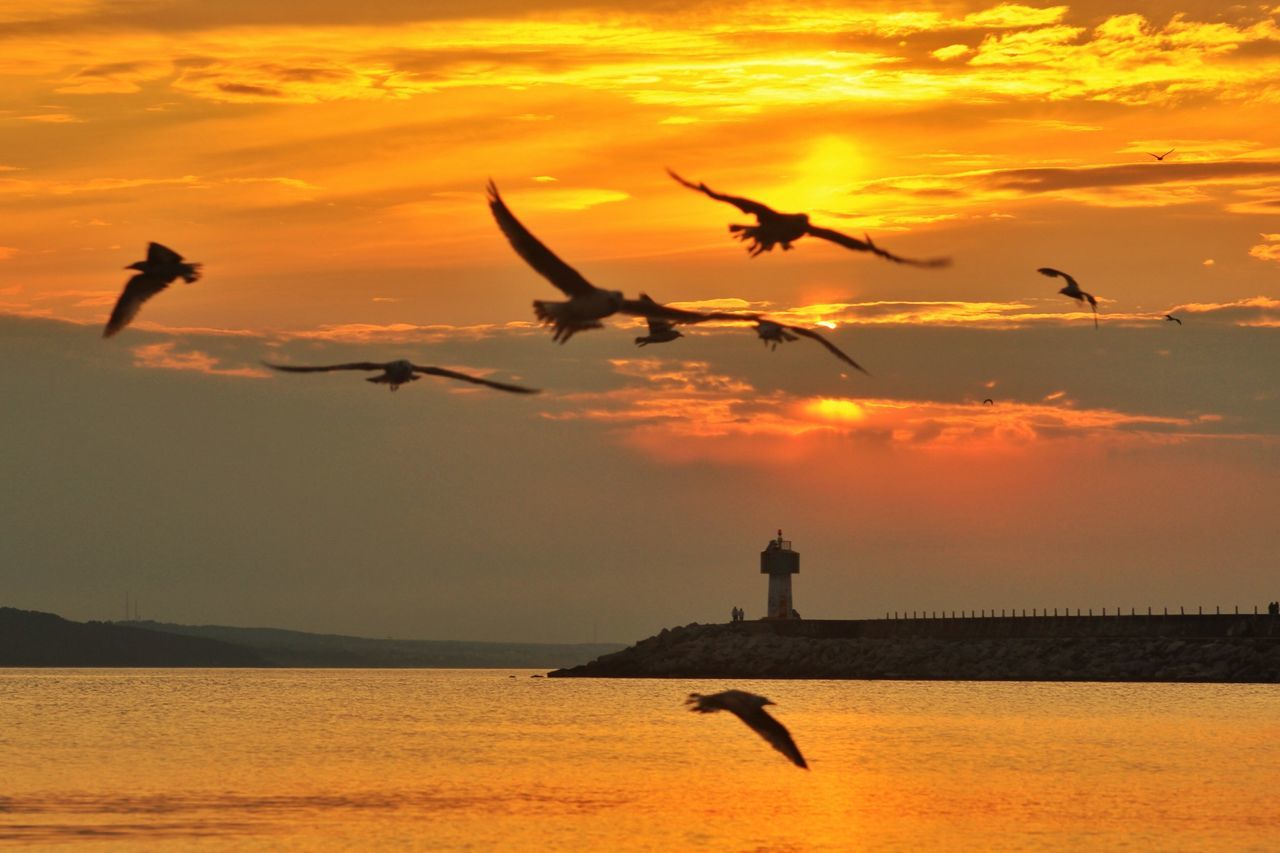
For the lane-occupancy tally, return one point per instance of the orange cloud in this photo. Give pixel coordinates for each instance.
(164, 356)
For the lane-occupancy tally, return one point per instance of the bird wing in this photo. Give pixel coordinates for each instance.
(535, 254)
(162, 255)
(1166, 154)
(453, 374)
(138, 290)
(769, 729)
(656, 324)
(646, 307)
(1052, 273)
(868, 246)
(746, 205)
(835, 350)
(355, 365)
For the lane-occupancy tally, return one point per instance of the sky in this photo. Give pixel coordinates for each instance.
(326, 162)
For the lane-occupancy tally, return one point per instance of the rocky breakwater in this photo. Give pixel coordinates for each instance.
(751, 650)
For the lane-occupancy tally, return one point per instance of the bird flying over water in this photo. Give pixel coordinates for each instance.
(749, 708)
(1073, 290)
(397, 373)
(587, 304)
(783, 229)
(1169, 318)
(157, 272)
(660, 331)
(1160, 156)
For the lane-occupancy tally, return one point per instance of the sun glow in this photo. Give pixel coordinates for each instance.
(836, 409)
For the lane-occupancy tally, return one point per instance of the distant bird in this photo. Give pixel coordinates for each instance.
(157, 272)
(1073, 290)
(1160, 156)
(588, 305)
(988, 402)
(397, 373)
(749, 708)
(660, 331)
(1169, 318)
(782, 229)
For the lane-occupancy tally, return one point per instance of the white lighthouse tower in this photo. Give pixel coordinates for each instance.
(779, 562)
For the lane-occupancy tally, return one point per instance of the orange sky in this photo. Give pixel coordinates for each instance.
(326, 165)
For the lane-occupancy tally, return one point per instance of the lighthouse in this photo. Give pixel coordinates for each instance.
(779, 562)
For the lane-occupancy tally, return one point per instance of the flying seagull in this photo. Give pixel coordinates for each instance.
(1169, 318)
(397, 373)
(157, 272)
(660, 331)
(988, 402)
(750, 709)
(1073, 290)
(774, 229)
(587, 304)
(1160, 156)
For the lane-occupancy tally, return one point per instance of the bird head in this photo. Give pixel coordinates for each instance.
(616, 298)
(140, 266)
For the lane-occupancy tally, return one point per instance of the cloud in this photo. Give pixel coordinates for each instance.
(1255, 311)
(7, 252)
(1268, 250)
(165, 356)
(53, 118)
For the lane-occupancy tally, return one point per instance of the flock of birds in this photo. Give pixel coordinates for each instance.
(587, 305)
(584, 308)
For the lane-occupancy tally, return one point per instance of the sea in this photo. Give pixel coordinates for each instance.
(279, 759)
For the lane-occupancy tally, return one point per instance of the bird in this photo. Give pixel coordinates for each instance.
(1160, 156)
(1073, 290)
(1169, 318)
(988, 402)
(400, 372)
(749, 708)
(157, 272)
(587, 304)
(660, 331)
(783, 229)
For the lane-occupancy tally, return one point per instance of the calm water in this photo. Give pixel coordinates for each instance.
(361, 759)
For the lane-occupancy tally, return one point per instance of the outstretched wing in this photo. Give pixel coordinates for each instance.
(162, 255)
(535, 254)
(866, 245)
(657, 325)
(355, 365)
(772, 731)
(646, 307)
(746, 205)
(1052, 273)
(835, 350)
(453, 374)
(138, 290)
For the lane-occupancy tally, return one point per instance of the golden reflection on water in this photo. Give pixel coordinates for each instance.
(305, 759)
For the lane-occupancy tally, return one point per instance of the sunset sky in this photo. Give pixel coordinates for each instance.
(326, 163)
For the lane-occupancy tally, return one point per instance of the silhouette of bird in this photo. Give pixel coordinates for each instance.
(400, 372)
(749, 708)
(660, 331)
(1073, 290)
(783, 229)
(988, 402)
(1160, 156)
(588, 305)
(161, 267)
(1169, 318)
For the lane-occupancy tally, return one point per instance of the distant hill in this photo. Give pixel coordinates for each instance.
(31, 638)
(279, 647)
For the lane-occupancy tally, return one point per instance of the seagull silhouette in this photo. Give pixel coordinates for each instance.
(1160, 156)
(1073, 290)
(988, 402)
(397, 373)
(161, 267)
(660, 331)
(749, 708)
(587, 304)
(783, 229)
(1169, 318)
